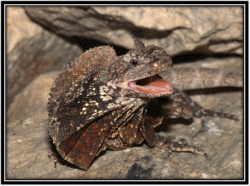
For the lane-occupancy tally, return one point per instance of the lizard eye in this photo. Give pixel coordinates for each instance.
(134, 62)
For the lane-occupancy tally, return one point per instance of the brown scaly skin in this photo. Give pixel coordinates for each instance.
(103, 101)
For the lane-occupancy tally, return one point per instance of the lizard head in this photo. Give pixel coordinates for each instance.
(137, 72)
(99, 92)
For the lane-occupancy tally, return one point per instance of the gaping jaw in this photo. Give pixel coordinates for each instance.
(139, 76)
(153, 85)
(148, 87)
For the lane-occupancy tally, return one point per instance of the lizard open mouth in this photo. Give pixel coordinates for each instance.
(154, 85)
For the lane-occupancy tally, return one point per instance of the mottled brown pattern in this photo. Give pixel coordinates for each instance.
(103, 101)
(192, 78)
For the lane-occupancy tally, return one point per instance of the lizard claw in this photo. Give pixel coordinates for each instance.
(180, 146)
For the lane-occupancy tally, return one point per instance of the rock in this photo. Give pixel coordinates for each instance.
(19, 27)
(32, 51)
(29, 144)
(44, 52)
(176, 29)
(31, 99)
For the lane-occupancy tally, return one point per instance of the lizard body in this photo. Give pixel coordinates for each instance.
(106, 101)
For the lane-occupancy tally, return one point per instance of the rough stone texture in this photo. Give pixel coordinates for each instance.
(177, 29)
(35, 95)
(28, 142)
(19, 27)
(36, 55)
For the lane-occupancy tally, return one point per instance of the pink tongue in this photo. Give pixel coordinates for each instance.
(159, 84)
(156, 86)
(152, 85)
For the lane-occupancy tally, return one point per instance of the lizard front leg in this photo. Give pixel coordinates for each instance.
(179, 104)
(180, 146)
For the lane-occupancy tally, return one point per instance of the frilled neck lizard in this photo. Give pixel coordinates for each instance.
(102, 100)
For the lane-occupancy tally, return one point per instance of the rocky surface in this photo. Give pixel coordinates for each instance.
(177, 29)
(29, 145)
(180, 30)
(19, 27)
(33, 54)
